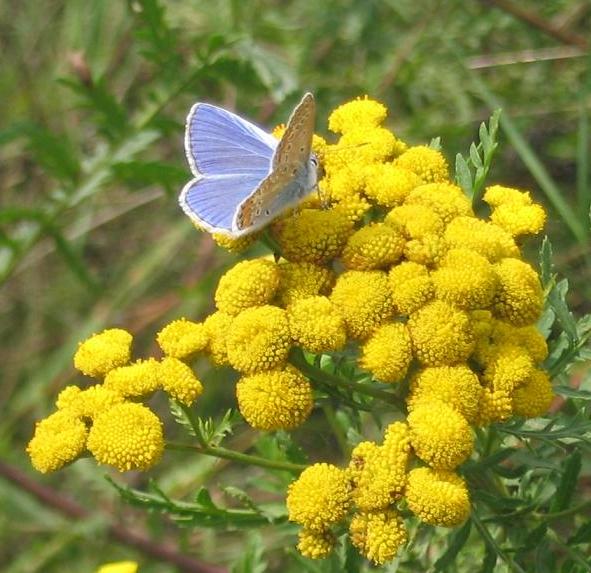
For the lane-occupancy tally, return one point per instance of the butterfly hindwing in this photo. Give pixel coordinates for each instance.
(211, 201)
(296, 143)
(218, 142)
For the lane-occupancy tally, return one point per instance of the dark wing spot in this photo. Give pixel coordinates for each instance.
(267, 212)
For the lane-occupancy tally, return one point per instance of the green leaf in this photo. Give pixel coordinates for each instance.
(490, 560)
(582, 535)
(568, 482)
(485, 138)
(463, 175)
(572, 392)
(251, 557)
(456, 543)
(475, 156)
(545, 261)
(435, 143)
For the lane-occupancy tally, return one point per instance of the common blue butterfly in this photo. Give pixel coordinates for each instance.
(245, 177)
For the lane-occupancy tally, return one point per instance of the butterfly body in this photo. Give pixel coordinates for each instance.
(244, 177)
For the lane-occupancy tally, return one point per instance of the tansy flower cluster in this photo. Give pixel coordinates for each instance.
(388, 263)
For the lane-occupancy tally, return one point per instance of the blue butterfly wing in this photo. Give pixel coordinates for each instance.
(212, 201)
(218, 142)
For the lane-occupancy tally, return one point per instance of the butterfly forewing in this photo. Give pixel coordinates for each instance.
(296, 144)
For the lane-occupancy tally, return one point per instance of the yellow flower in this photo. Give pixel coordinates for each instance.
(354, 207)
(182, 338)
(508, 367)
(247, 284)
(389, 185)
(438, 498)
(313, 236)
(301, 280)
(88, 403)
(456, 386)
(465, 279)
(529, 337)
(342, 183)
(483, 237)
(441, 334)
(103, 352)
(259, 339)
(387, 352)
(232, 244)
(275, 400)
(360, 112)
(445, 199)
(128, 436)
(495, 406)
(373, 247)
(428, 250)
(520, 219)
(411, 287)
(178, 380)
(378, 535)
(415, 221)
(364, 299)
(320, 497)
(365, 145)
(316, 544)
(519, 299)
(429, 164)
(534, 397)
(439, 435)
(119, 567)
(316, 324)
(59, 439)
(217, 326)
(135, 380)
(498, 195)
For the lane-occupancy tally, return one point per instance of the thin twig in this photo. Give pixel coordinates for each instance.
(69, 508)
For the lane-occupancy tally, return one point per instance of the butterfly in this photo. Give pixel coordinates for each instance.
(245, 177)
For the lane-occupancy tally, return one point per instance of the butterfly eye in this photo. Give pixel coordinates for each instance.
(314, 161)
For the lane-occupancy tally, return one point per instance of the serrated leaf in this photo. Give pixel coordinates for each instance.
(564, 316)
(435, 143)
(456, 543)
(545, 261)
(463, 175)
(475, 156)
(203, 498)
(484, 138)
(568, 482)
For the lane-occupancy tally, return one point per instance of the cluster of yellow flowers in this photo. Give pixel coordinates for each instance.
(390, 260)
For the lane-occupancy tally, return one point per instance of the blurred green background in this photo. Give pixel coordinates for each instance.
(93, 101)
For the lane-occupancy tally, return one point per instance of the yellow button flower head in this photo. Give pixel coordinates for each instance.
(364, 299)
(232, 244)
(135, 380)
(313, 236)
(182, 338)
(128, 437)
(354, 207)
(411, 287)
(217, 326)
(59, 439)
(247, 284)
(361, 454)
(456, 386)
(178, 380)
(343, 183)
(445, 199)
(429, 164)
(509, 366)
(259, 339)
(495, 406)
(389, 185)
(387, 352)
(534, 397)
(320, 497)
(483, 237)
(415, 221)
(316, 324)
(378, 535)
(465, 279)
(361, 112)
(439, 435)
(103, 352)
(88, 403)
(373, 247)
(316, 544)
(438, 498)
(364, 146)
(119, 567)
(275, 400)
(428, 250)
(301, 280)
(519, 299)
(529, 337)
(441, 334)
(514, 211)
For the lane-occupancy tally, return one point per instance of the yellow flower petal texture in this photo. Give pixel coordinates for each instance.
(103, 352)
(387, 352)
(182, 338)
(178, 380)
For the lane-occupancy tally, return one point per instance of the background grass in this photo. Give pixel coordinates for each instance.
(94, 97)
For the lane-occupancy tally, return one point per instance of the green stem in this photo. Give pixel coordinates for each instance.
(336, 428)
(219, 452)
(297, 358)
(565, 513)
